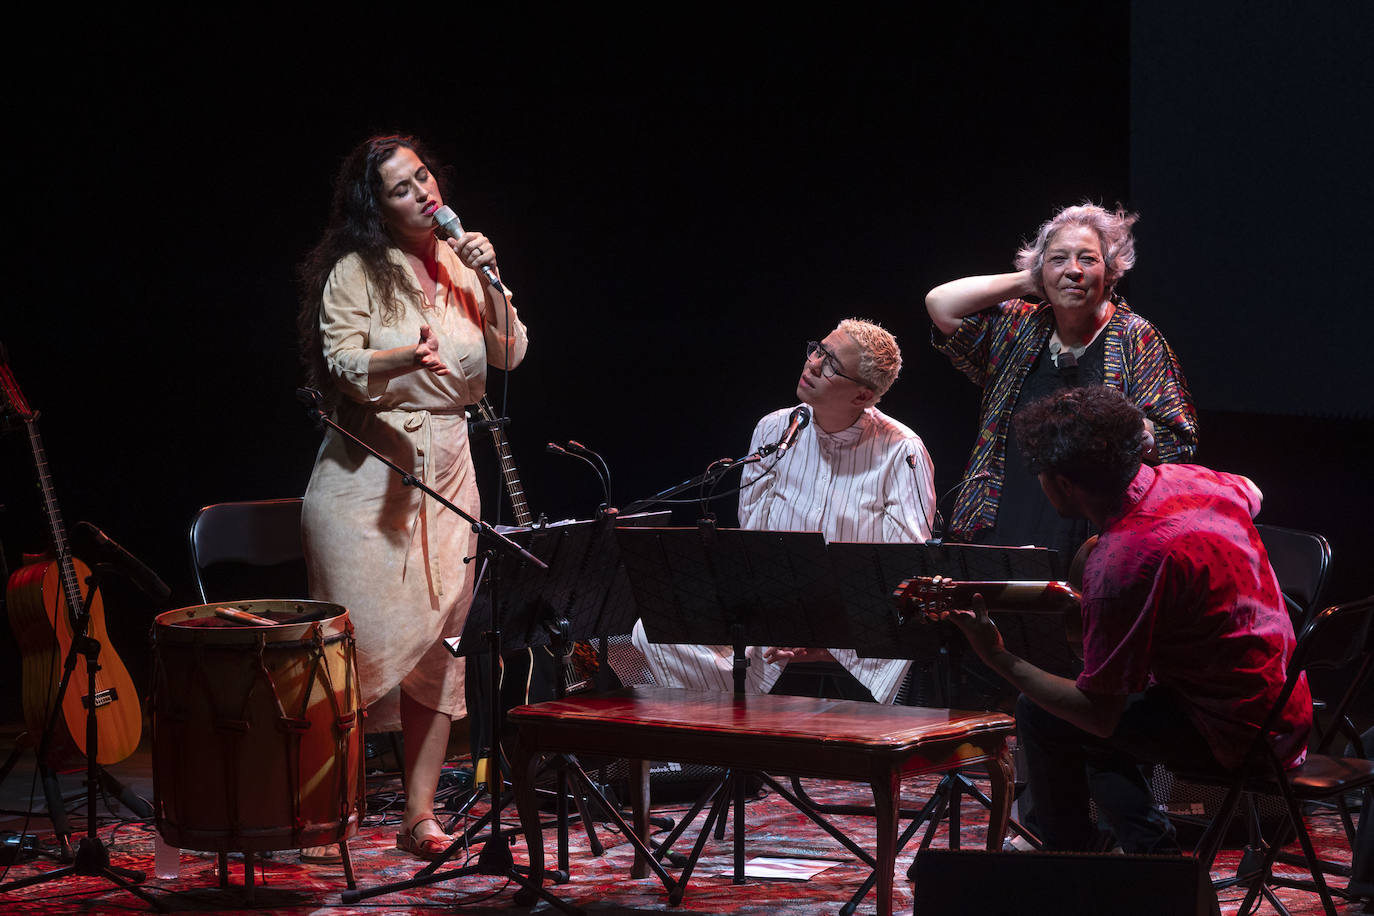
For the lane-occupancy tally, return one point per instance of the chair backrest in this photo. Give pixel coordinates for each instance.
(265, 534)
(1300, 560)
(1339, 638)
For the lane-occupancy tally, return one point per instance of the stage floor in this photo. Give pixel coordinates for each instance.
(598, 884)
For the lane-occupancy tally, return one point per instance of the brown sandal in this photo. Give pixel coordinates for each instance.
(322, 855)
(429, 847)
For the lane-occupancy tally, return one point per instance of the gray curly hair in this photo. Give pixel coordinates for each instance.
(1113, 228)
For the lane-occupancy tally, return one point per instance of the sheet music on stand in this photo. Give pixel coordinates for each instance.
(693, 585)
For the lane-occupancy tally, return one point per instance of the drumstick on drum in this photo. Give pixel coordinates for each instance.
(244, 617)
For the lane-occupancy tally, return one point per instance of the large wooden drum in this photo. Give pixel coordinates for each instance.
(257, 730)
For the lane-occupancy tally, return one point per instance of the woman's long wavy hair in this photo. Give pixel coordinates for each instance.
(355, 226)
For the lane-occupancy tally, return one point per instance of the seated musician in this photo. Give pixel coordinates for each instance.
(1186, 638)
(854, 474)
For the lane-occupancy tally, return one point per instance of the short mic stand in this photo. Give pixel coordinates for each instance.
(717, 470)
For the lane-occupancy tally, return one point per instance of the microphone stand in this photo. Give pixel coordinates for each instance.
(710, 476)
(92, 858)
(495, 857)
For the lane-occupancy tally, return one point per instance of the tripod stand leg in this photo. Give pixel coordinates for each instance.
(347, 865)
(597, 848)
(717, 813)
(127, 797)
(12, 759)
(57, 810)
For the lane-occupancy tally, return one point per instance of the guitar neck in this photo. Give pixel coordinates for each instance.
(71, 587)
(511, 477)
(1023, 596)
(930, 595)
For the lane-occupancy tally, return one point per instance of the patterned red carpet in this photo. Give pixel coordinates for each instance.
(600, 885)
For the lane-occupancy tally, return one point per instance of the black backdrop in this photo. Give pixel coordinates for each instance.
(679, 200)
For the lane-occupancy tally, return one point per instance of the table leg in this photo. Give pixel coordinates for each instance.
(999, 767)
(639, 803)
(523, 767)
(886, 782)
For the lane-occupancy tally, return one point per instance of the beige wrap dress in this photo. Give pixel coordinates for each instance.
(383, 550)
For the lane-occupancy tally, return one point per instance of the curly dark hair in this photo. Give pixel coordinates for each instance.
(1092, 435)
(355, 227)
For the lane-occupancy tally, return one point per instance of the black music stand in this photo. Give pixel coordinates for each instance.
(732, 586)
(582, 595)
(735, 587)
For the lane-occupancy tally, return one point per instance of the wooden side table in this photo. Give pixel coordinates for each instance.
(780, 735)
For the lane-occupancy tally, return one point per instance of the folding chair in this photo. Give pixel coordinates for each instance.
(252, 549)
(1338, 638)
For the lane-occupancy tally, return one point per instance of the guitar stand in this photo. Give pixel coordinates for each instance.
(92, 859)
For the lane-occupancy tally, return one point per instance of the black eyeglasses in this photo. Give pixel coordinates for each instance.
(830, 363)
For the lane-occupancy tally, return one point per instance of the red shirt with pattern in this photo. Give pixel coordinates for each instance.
(1180, 593)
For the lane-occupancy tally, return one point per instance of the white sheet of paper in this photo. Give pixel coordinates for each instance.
(788, 869)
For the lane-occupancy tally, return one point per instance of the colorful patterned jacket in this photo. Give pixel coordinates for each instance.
(996, 349)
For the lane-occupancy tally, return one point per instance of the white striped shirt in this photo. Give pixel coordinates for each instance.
(872, 482)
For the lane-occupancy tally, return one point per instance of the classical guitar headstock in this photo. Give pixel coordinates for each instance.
(484, 409)
(13, 398)
(923, 595)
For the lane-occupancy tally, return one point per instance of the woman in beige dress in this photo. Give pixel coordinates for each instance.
(398, 329)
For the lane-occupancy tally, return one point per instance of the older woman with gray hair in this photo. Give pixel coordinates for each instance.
(1054, 322)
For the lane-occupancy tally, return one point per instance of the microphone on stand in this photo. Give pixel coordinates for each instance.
(935, 524)
(796, 422)
(447, 224)
(605, 468)
(130, 565)
(556, 449)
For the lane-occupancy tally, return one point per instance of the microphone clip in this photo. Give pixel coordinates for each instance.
(487, 425)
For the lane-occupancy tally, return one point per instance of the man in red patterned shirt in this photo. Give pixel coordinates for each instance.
(1185, 635)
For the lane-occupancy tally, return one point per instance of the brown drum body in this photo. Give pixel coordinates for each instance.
(257, 730)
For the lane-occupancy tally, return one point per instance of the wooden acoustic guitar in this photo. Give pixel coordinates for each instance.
(45, 597)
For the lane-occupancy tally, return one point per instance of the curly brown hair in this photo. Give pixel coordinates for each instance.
(1092, 435)
(355, 226)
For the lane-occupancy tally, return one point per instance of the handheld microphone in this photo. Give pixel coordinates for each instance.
(447, 224)
(796, 422)
(127, 563)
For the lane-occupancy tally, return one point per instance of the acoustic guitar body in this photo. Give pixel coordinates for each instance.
(43, 628)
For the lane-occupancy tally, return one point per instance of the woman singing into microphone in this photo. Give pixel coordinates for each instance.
(398, 329)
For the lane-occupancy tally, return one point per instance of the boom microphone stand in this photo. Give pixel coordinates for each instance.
(495, 858)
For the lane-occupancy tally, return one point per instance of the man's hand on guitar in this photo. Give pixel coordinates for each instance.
(978, 628)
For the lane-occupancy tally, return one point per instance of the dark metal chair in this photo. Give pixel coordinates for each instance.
(250, 549)
(1300, 560)
(1339, 638)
